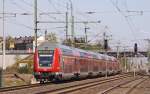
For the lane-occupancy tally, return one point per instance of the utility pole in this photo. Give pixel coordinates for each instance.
(86, 40)
(35, 23)
(3, 62)
(105, 48)
(148, 49)
(125, 66)
(45, 34)
(72, 22)
(67, 24)
(136, 53)
(134, 73)
(105, 38)
(118, 46)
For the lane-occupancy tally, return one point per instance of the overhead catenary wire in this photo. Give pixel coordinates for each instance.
(18, 6)
(29, 27)
(83, 15)
(50, 2)
(87, 15)
(31, 5)
(63, 5)
(140, 13)
(21, 24)
(58, 11)
(129, 18)
(126, 19)
(130, 22)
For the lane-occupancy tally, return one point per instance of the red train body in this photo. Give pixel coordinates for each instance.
(58, 62)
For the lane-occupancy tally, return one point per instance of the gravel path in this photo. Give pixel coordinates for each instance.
(142, 87)
(53, 86)
(99, 88)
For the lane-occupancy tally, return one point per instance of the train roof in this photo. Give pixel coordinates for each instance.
(47, 46)
(73, 51)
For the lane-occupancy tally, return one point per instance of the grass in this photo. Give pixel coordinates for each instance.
(13, 82)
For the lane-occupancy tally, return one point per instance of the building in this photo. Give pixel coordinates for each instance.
(23, 43)
(137, 63)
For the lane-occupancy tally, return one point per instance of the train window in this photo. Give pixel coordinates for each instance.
(95, 56)
(45, 60)
(83, 54)
(67, 52)
(45, 51)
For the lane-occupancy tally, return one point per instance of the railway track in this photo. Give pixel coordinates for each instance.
(14, 88)
(5, 89)
(73, 88)
(108, 91)
(134, 87)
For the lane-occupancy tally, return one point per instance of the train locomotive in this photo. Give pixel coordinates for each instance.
(53, 61)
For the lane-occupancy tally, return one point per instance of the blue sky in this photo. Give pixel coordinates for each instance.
(134, 28)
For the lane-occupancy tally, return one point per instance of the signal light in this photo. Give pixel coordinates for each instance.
(135, 48)
(105, 44)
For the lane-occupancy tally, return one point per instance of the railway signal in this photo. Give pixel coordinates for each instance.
(135, 48)
(105, 44)
(135, 51)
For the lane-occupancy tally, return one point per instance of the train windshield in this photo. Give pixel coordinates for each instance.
(45, 59)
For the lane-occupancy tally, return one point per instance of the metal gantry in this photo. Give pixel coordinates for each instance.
(3, 62)
(35, 23)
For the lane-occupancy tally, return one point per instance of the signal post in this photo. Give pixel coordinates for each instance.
(135, 53)
(105, 48)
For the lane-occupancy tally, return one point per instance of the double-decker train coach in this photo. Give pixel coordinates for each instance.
(53, 61)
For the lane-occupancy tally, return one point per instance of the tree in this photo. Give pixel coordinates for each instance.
(51, 37)
(67, 42)
(99, 45)
(14, 67)
(9, 42)
(17, 59)
(24, 69)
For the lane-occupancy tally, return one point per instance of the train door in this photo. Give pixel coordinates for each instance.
(62, 63)
(77, 65)
(86, 62)
(90, 65)
(70, 64)
(105, 65)
(83, 65)
(66, 64)
(94, 65)
(108, 66)
(100, 66)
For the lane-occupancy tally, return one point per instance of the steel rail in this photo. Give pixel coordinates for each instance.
(73, 88)
(124, 83)
(13, 88)
(132, 88)
(5, 89)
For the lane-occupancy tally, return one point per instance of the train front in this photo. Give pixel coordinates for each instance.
(45, 65)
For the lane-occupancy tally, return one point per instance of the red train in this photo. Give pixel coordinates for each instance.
(59, 62)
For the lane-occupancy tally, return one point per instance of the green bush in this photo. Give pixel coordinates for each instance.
(25, 70)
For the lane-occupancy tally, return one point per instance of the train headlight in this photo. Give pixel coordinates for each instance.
(45, 69)
(58, 67)
(37, 73)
